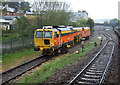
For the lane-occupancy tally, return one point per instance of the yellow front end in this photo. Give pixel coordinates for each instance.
(43, 40)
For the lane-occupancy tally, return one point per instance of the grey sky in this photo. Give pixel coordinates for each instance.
(97, 9)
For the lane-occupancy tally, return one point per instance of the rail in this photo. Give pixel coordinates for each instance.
(101, 81)
(20, 69)
(88, 64)
(81, 76)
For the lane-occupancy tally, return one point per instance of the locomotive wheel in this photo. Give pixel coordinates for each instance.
(53, 53)
(64, 50)
(59, 51)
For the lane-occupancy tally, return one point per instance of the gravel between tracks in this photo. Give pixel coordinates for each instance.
(113, 77)
(68, 72)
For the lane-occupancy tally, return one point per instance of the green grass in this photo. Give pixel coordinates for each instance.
(9, 36)
(49, 69)
(9, 60)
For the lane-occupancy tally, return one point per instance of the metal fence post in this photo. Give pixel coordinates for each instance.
(23, 42)
(16, 44)
(11, 44)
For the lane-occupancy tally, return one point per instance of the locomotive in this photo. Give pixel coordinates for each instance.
(56, 39)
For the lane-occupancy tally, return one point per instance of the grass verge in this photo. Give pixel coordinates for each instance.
(49, 69)
(13, 59)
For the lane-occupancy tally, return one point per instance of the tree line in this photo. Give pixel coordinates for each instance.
(112, 21)
(46, 13)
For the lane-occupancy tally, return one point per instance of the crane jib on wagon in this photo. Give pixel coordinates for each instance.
(56, 39)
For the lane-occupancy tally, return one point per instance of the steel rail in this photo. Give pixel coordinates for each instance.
(108, 64)
(88, 64)
(23, 71)
(20, 65)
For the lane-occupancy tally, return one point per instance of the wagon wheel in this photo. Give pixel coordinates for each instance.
(64, 50)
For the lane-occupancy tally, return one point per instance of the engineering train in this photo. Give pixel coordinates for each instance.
(56, 39)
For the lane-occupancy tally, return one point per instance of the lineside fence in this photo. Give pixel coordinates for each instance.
(16, 44)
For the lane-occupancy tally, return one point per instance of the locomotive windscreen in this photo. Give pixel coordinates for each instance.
(48, 34)
(39, 34)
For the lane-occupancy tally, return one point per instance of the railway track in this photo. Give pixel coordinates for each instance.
(94, 72)
(19, 70)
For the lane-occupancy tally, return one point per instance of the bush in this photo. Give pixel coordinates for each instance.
(90, 23)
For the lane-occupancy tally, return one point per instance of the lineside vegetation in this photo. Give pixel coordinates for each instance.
(47, 13)
(49, 69)
(14, 59)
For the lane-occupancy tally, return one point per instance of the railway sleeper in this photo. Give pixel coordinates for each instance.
(94, 73)
(94, 80)
(86, 83)
(91, 76)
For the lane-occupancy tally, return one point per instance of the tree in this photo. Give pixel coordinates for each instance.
(106, 22)
(52, 13)
(114, 21)
(79, 23)
(58, 17)
(23, 26)
(74, 24)
(25, 6)
(90, 23)
(82, 22)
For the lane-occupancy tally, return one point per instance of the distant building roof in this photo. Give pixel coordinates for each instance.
(29, 13)
(2, 7)
(10, 17)
(9, 9)
(3, 20)
(79, 15)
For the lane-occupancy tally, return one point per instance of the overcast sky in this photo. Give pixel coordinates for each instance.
(97, 9)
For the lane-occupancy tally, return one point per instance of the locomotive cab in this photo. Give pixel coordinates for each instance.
(43, 39)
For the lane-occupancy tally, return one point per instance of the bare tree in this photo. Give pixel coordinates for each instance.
(51, 13)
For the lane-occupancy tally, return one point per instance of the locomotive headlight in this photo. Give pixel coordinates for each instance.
(51, 44)
(35, 45)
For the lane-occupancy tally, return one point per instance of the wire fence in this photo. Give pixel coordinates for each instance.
(16, 44)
